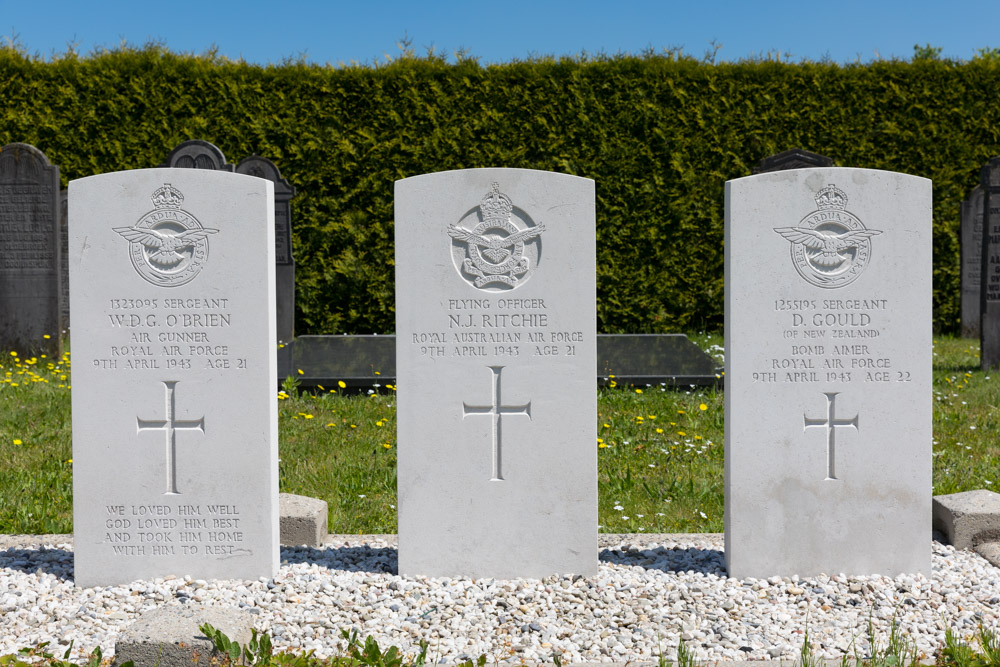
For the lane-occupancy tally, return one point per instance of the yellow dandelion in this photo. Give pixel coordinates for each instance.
(354, 425)
(612, 384)
(300, 372)
(602, 446)
(46, 336)
(308, 416)
(607, 425)
(680, 412)
(331, 424)
(341, 384)
(386, 445)
(17, 442)
(321, 387)
(638, 391)
(659, 430)
(681, 433)
(600, 440)
(13, 354)
(703, 407)
(697, 437)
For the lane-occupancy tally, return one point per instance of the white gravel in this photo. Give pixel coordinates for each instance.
(651, 591)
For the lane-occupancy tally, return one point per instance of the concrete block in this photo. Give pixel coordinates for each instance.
(303, 520)
(169, 636)
(968, 518)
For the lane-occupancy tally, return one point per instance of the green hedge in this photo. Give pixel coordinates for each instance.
(660, 134)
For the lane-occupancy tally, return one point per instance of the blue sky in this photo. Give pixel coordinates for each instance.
(503, 30)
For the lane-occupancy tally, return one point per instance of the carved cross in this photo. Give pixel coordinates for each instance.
(497, 410)
(170, 426)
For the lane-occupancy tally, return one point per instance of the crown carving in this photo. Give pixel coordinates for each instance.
(496, 205)
(167, 197)
(831, 198)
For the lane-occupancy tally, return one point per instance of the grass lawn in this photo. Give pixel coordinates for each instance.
(660, 451)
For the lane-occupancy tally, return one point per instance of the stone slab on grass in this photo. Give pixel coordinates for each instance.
(968, 518)
(169, 636)
(303, 520)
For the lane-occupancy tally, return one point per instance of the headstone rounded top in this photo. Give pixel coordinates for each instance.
(22, 163)
(197, 154)
(794, 158)
(261, 167)
(489, 172)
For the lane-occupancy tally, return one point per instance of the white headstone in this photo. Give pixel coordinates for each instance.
(495, 356)
(828, 373)
(174, 401)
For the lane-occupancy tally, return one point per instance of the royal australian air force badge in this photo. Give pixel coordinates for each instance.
(499, 246)
(830, 246)
(168, 246)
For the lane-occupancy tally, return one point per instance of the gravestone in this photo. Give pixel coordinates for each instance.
(495, 358)
(972, 257)
(30, 252)
(174, 409)
(828, 373)
(285, 269)
(197, 154)
(795, 158)
(989, 298)
(64, 259)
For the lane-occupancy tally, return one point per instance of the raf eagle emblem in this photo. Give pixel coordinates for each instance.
(830, 247)
(164, 246)
(827, 246)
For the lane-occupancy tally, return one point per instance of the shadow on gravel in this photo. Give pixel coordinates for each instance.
(383, 560)
(57, 562)
(377, 560)
(677, 559)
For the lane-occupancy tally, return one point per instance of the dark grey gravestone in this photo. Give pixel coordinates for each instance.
(362, 362)
(64, 262)
(285, 263)
(30, 251)
(794, 158)
(197, 154)
(989, 304)
(972, 259)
